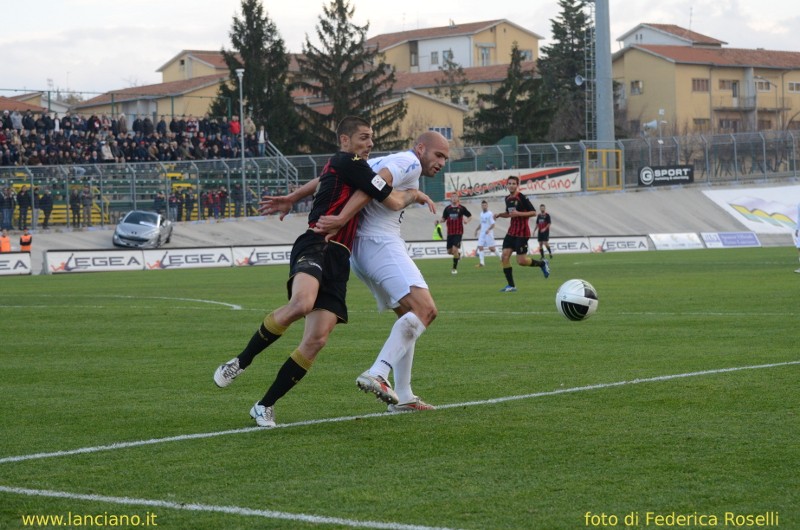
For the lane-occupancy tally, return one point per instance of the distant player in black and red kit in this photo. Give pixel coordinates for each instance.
(456, 216)
(519, 209)
(319, 269)
(543, 229)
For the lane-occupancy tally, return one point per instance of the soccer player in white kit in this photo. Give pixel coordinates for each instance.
(797, 234)
(381, 261)
(485, 233)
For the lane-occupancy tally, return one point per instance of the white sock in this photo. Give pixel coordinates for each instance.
(480, 256)
(402, 375)
(404, 333)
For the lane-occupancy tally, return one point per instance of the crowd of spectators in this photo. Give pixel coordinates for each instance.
(30, 139)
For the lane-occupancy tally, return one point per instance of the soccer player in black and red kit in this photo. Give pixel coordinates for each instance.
(519, 209)
(319, 268)
(456, 216)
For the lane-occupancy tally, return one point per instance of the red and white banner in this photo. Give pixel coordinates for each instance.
(486, 184)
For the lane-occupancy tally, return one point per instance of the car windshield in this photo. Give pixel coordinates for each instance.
(141, 218)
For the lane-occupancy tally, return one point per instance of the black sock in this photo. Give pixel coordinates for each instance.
(509, 276)
(536, 263)
(289, 375)
(455, 263)
(262, 338)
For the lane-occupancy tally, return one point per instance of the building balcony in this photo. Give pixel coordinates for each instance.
(765, 102)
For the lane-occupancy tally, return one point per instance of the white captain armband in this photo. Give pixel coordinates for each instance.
(378, 182)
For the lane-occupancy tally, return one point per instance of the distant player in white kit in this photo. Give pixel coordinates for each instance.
(797, 234)
(485, 233)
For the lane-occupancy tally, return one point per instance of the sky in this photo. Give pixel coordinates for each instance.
(94, 46)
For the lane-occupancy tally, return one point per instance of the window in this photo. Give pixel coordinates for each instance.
(794, 87)
(527, 55)
(702, 124)
(762, 86)
(447, 132)
(413, 59)
(726, 84)
(728, 125)
(699, 85)
(447, 55)
(486, 57)
(636, 88)
(434, 57)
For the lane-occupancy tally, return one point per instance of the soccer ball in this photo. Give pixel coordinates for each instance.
(576, 299)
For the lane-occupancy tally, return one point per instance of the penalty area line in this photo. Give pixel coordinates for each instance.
(572, 390)
(232, 510)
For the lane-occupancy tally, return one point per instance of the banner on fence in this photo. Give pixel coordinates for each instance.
(15, 263)
(188, 258)
(618, 243)
(686, 241)
(261, 255)
(730, 239)
(63, 261)
(665, 175)
(488, 184)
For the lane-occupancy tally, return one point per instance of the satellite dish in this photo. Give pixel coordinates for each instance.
(579, 79)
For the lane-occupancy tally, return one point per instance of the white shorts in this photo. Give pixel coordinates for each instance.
(384, 266)
(486, 240)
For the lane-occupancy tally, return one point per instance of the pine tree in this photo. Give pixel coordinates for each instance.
(558, 66)
(259, 49)
(452, 85)
(515, 108)
(344, 78)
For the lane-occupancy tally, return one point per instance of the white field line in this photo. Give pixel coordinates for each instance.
(233, 510)
(183, 437)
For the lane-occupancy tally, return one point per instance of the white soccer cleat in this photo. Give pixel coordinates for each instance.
(378, 386)
(264, 416)
(454, 271)
(226, 373)
(411, 406)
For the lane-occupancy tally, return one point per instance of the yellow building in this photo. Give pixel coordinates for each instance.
(485, 43)
(674, 81)
(483, 49)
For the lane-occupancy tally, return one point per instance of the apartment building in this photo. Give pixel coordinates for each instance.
(671, 80)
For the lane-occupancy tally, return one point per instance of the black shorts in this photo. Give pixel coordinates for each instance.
(517, 244)
(329, 263)
(543, 237)
(454, 240)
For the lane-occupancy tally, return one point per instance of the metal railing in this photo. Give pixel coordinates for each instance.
(119, 188)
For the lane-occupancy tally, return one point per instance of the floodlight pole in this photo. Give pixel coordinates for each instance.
(240, 75)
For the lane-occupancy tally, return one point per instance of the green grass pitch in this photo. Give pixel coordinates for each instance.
(91, 360)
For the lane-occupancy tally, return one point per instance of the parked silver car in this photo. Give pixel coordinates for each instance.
(141, 229)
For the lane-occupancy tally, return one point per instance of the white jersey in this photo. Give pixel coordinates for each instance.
(380, 258)
(487, 221)
(376, 219)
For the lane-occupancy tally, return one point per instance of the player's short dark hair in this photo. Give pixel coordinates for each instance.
(484, 201)
(513, 177)
(349, 125)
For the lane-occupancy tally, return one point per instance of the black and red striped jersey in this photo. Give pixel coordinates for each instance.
(519, 226)
(343, 174)
(454, 217)
(543, 222)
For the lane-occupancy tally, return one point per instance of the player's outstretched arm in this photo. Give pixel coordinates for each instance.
(283, 203)
(330, 224)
